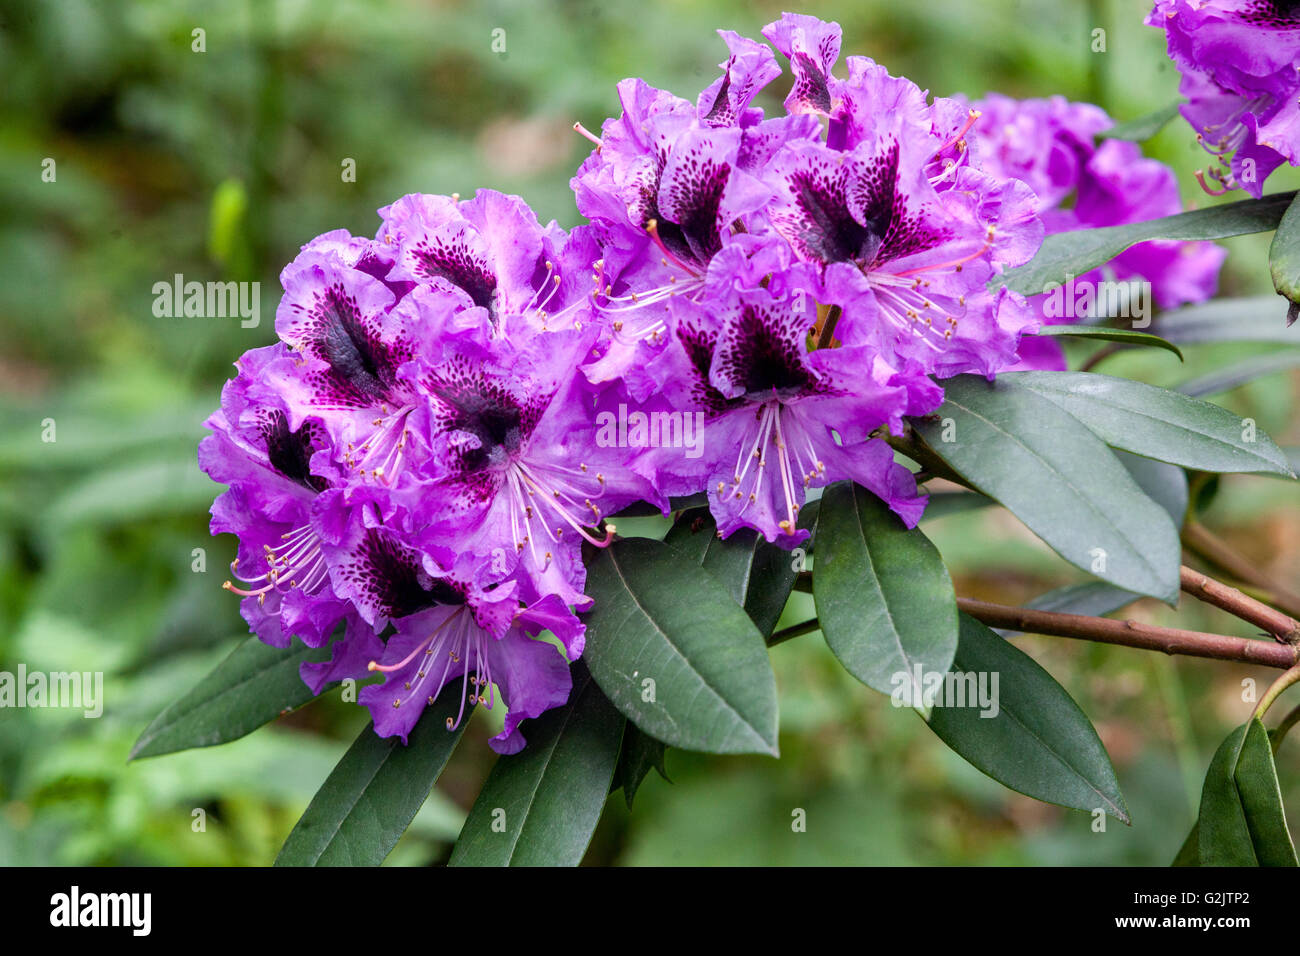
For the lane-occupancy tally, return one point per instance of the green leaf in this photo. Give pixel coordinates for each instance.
(1284, 259)
(253, 686)
(1068, 254)
(1093, 598)
(373, 794)
(884, 598)
(1157, 422)
(1059, 479)
(1253, 319)
(1163, 483)
(1189, 854)
(1242, 822)
(540, 806)
(674, 652)
(641, 753)
(759, 576)
(1144, 127)
(808, 520)
(1239, 373)
(1038, 742)
(1127, 336)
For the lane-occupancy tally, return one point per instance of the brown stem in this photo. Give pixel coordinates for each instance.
(1203, 543)
(1133, 634)
(914, 447)
(1100, 356)
(827, 335)
(794, 630)
(1282, 626)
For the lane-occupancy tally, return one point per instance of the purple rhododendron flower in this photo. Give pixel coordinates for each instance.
(797, 280)
(481, 631)
(1240, 61)
(1122, 186)
(1050, 145)
(902, 230)
(515, 473)
(666, 186)
(443, 426)
(749, 68)
(1045, 143)
(270, 505)
(812, 46)
(777, 417)
(417, 450)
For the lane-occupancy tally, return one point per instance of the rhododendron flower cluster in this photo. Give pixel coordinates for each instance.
(1240, 61)
(800, 279)
(416, 450)
(425, 454)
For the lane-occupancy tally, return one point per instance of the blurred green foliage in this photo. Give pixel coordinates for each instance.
(220, 164)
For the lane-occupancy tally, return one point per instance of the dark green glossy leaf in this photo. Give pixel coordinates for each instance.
(254, 685)
(1075, 253)
(641, 753)
(883, 595)
(1255, 319)
(759, 576)
(372, 795)
(1189, 854)
(1039, 742)
(1156, 422)
(1059, 479)
(1163, 483)
(539, 807)
(1126, 336)
(1284, 259)
(808, 521)
(1241, 821)
(675, 653)
(1144, 127)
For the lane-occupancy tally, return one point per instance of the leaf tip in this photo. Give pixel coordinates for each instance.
(139, 749)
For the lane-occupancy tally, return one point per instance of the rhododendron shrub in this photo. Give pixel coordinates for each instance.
(810, 306)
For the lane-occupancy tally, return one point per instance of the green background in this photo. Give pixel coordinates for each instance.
(219, 165)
